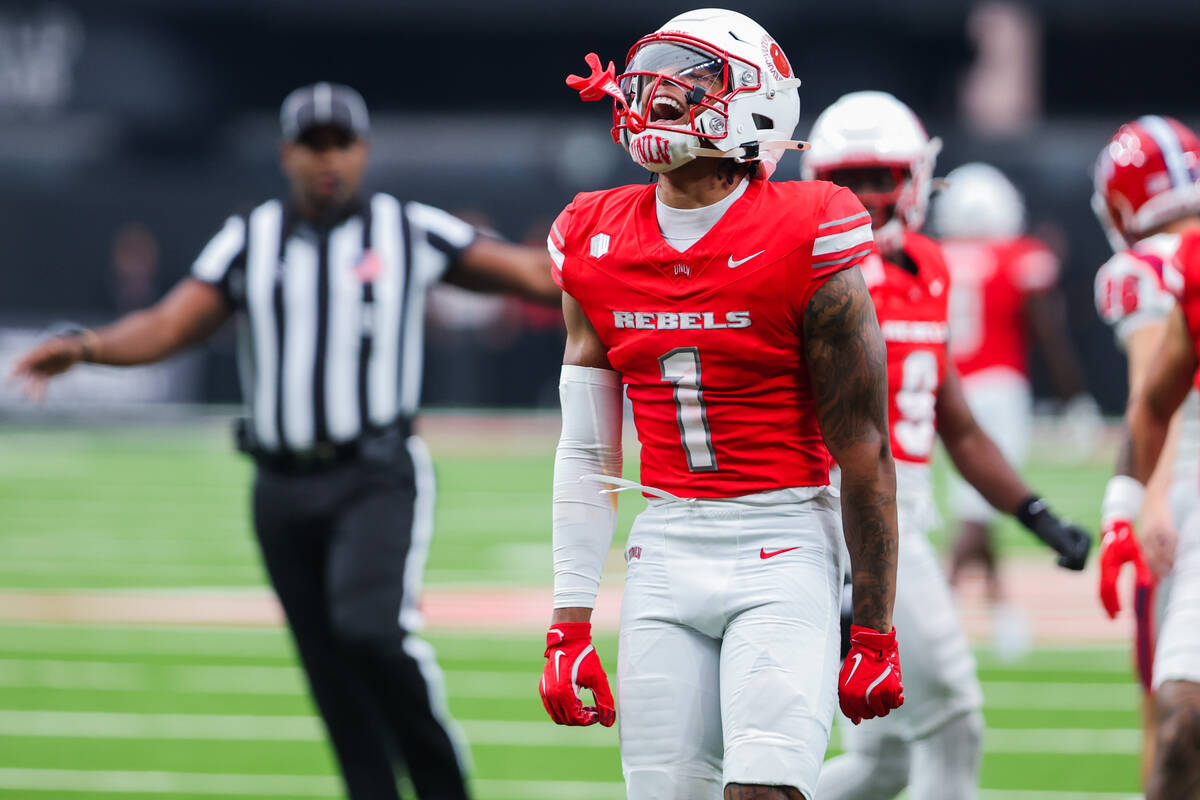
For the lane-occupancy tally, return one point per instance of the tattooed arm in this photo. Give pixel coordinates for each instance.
(848, 366)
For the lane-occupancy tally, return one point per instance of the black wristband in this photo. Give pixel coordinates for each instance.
(86, 337)
(1030, 510)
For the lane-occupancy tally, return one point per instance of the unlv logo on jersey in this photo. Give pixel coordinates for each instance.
(650, 149)
(598, 246)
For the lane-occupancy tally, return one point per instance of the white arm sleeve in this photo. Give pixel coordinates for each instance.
(584, 517)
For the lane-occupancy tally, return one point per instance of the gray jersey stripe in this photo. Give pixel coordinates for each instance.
(844, 220)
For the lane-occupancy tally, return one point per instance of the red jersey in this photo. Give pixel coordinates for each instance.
(911, 308)
(1183, 278)
(992, 279)
(709, 341)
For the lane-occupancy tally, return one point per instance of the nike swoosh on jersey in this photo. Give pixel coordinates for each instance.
(762, 553)
(735, 264)
(857, 660)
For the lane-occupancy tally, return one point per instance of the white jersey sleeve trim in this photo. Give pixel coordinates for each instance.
(440, 223)
(216, 257)
(584, 518)
(839, 242)
(446, 236)
(555, 254)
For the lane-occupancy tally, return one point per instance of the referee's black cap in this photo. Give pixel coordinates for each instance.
(323, 104)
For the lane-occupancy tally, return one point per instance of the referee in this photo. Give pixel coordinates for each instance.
(329, 288)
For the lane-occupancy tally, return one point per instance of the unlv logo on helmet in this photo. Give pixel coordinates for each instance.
(775, 59)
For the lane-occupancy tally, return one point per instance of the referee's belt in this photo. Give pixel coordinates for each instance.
(378, 443)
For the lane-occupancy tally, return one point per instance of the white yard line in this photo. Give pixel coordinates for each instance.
(552, 790)
(125, 782)
(217, 784)
(1079, 741)
(278, 728)
(1027, 794)
(499, 733)
(1061, 696)
(159, 640)
(131, 782)
(288, 680)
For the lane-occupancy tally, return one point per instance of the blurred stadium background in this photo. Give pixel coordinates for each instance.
(139, 653)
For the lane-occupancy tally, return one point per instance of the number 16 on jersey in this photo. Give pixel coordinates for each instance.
(681, 367)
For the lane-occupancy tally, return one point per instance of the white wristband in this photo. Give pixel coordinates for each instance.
(1123, 498)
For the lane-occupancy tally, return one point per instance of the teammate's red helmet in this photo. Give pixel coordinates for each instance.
(1147, 175)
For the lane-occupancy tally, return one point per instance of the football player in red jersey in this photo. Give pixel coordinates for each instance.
(1146, 198)
(1175, 771)
(1004, 293)
(732, 309)
(875, 145)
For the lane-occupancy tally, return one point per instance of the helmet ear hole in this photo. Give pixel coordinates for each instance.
(763, 122)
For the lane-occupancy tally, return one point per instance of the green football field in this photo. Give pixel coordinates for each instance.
(125, 710)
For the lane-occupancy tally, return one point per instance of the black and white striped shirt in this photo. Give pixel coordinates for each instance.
(331, 321)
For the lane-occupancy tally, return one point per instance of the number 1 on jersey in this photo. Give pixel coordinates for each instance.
(681, 367)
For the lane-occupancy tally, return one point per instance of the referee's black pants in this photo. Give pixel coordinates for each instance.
(345, 548)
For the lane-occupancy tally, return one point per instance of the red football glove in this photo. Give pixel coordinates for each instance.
(870, 684)
(572, 664)
(1118, 547)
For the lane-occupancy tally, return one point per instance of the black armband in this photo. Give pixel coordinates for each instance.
(1071, 542)
(1031, 510)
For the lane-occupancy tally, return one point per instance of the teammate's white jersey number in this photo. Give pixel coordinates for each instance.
(916, 401)
(681, 367)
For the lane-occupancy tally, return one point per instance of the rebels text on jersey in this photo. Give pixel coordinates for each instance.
(992, 279)
(1130, 287)
(911, 304)
(709, 341)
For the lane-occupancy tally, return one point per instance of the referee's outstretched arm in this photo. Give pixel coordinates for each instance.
(188, 314)
(493, 265)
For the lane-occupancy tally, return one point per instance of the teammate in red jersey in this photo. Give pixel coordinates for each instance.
(1146, 197)
(875, 145)
(1004, 295)
(1175, 772)
(732, 309)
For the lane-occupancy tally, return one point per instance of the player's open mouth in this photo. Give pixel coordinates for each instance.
(666, 108)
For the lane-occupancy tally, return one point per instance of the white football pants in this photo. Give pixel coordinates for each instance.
(728, 661)
(1177, 655)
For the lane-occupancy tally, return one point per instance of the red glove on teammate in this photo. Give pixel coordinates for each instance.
(870, 684)
(572, 664)
(1118, 547)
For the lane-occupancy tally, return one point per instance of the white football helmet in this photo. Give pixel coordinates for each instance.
(709, 82)
(874, 129)
(978, 202)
